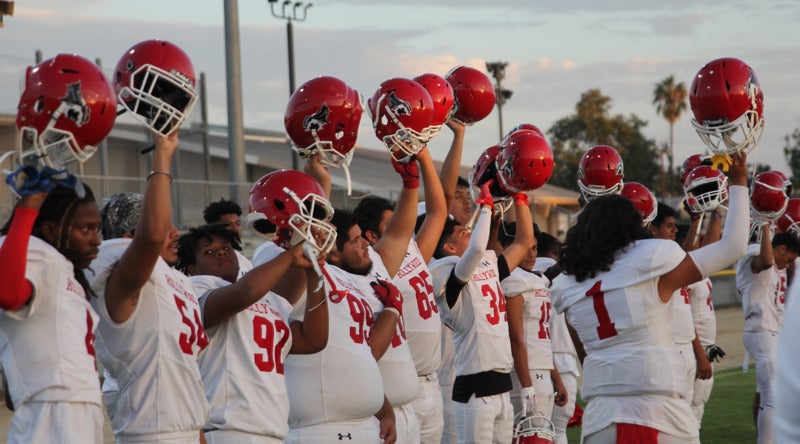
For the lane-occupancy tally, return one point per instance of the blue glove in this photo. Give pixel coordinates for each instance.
(27, 181)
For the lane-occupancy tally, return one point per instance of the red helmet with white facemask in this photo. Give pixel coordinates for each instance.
(768, 197)
(293, 200)
(155, 82)
(402, 112)
(66, 109)
(600, 172)
(728, 106)
(705, 189)
(323, 115)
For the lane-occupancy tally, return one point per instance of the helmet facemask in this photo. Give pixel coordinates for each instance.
(161, 100)
(741, 134)
(404, 143)
(54, 147)
(312, 223)
(707, 194)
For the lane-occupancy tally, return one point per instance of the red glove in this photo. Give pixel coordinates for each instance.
(485, 196)
(409, 172)
(389, 295)
(522, 200)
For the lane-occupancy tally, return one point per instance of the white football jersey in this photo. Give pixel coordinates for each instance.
(533, 288)
(763, 294)
(705, 320)
(47, 346)
(153, 354)
(478, 318)
(399, 375)
(243, 367)
(420, 312)
(787, 398)
(626, 329)
(682, 315)
(342, 382)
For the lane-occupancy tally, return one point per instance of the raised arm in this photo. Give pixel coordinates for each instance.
(137, 263)
(320, 172)
(452, 163)
(435, 207)
(17, 290)
(765, 257)
(523, 240)
(227, 301)
(393, 244)
(715, 257)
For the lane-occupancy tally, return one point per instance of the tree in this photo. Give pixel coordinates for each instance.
(670, 101)
(792, 153)
(592, 125)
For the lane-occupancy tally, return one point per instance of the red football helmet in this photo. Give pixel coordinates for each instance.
(402, 111)
(535, 429)
(725, 96)
(524, 126)
(67, 107)
(525, 162)
(692, 162)
(790, 219)
(768, 197)
(643, 199)
(474, 94)
(155, 82)
(294, 200)
(485, 169)
(323, 115)
(705, 189)
(600, 172)
(443, 100)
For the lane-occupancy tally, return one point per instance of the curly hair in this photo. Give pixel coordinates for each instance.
(214, 211)
(606, 226)
(187, 243)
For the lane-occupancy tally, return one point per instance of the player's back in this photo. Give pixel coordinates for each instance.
(626, 329)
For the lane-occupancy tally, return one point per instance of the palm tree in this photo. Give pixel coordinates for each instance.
(670, 101)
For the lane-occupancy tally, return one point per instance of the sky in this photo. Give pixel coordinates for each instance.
(556, 50)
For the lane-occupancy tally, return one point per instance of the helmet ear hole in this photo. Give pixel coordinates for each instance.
(279, 205)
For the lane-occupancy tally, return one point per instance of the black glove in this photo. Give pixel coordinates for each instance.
(713, 352)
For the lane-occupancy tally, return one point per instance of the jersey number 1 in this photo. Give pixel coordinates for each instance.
(606, 329)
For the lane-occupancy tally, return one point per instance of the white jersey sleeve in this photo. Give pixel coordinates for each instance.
(243, 367)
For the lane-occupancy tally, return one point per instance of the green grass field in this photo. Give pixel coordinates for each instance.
(729, 413)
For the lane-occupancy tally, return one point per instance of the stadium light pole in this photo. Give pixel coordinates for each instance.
(297, 13)
(498, 71)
